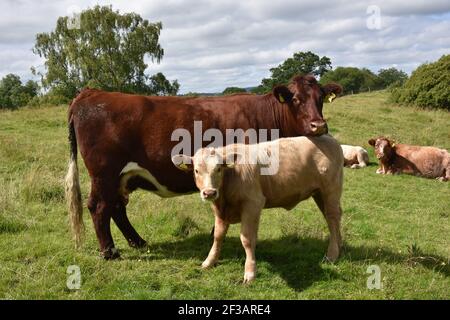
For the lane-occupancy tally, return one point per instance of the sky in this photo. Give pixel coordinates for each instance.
(213, 44)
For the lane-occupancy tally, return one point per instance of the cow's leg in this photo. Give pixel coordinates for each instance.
(101, 204)
(124, 225)
(220, 230)
(363, 159)
(446, 174)
(332, 212)
(249, 232)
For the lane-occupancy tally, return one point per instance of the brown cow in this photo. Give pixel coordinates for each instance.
(126, 142)
(429, 162)
(238, 189)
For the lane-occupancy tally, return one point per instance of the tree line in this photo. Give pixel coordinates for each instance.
(427, 87)
(353, 80)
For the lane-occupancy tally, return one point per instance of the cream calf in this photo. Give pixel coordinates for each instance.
(355, 157)
(231, 179)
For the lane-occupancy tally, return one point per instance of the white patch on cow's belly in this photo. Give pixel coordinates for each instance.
(133, 169)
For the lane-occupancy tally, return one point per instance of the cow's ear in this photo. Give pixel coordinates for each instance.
(331, 91)
(391, 143)
(372, 142)
(183, 162)
(282, 94)
(231, 159)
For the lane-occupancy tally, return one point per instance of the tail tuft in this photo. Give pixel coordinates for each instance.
(73, 191)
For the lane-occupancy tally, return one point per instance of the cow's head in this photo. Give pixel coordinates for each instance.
(209, 167)
(305, 97)
(384, 148)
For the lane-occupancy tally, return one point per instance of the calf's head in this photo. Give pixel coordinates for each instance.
(384, 148)
(305, 97)
(209, 168)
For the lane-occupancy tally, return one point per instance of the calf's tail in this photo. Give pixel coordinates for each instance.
(73, 191)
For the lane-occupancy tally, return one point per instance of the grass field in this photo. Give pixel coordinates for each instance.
(400, 223)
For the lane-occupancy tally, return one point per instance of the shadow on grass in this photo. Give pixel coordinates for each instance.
(298, 261)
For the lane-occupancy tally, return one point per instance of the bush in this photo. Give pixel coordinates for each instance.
(48, 99)
(233, 90)
(350, 78)
(427, 87)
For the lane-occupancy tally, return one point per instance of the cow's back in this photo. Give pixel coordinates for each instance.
(429, 162)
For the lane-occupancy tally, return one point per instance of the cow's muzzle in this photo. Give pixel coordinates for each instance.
(319, 127)
(209, 194)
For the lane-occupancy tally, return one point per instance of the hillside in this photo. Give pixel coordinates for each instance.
(400, 223)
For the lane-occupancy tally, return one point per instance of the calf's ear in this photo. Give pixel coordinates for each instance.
(183, 162)
(372, 142)
(282, 94)
(331, 91)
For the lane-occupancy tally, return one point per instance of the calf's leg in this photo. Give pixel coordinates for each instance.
(220, 230)
(331, 209)
(249, 233)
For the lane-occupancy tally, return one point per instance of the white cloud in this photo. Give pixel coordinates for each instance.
(210, 45)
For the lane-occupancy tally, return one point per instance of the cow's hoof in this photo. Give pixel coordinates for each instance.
(249, 277)
(111, 254)
(138, 244)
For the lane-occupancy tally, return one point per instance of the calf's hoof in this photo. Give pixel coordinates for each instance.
(111, 254)
(208, 264)
(249, 277)
(329, 259)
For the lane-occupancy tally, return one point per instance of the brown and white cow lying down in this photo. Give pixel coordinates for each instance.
(307, 166)
(355, 157)
(429, 162)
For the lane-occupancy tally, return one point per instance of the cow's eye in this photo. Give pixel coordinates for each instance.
(196, 171)
(295, 100)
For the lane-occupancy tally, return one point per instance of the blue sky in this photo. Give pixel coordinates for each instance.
(210, 45)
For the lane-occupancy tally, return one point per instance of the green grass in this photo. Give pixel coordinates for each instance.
(400, 223)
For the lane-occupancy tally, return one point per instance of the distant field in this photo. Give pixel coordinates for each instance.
(400, 223)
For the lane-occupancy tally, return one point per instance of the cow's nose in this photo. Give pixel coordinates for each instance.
(319, 127)
(209, 193)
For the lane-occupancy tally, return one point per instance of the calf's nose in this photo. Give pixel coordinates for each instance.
(319, 127)
(209, 193)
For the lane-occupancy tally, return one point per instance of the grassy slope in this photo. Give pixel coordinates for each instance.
(400, 223)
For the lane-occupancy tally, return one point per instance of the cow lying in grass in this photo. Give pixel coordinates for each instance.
(355, 157)
(429, 162)
(232, 179)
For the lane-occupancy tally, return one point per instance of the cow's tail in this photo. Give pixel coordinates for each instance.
(73, 191)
